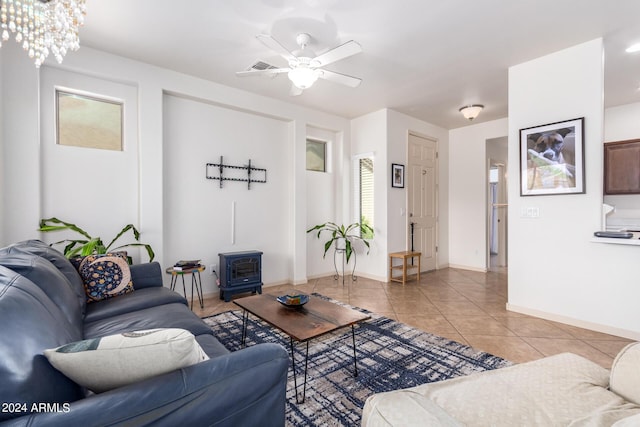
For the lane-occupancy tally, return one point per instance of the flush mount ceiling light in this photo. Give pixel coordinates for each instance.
(43, 26)
(471, 111)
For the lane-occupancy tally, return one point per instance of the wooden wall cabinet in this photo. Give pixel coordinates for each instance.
(622, 167)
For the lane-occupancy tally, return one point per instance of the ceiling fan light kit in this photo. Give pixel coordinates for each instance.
(303, 77)
(304, 66)
(470, 112)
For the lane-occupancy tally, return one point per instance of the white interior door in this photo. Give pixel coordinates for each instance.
(422, 204)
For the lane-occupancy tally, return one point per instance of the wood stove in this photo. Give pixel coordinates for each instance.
(240, 272)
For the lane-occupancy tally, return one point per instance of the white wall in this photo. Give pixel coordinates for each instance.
(468, 193)
(23, 154)
(202, 219)
(21, 145)
(105, 180)
(385, 134)
(555, 271)
(369, 135)
(398, 128)
(320, 207)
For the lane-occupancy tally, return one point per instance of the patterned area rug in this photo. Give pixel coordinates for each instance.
(391, 355)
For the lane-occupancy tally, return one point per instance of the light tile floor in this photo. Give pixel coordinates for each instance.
(465, 306)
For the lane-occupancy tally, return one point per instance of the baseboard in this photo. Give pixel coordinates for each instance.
(358, 274)
(216, 293)
(372, 277)
(317, 276)
(467, 267)
(632, 335)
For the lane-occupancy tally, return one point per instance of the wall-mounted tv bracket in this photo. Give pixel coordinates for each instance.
(220, 167)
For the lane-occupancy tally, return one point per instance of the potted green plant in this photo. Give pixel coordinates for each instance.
(89, 245)
(344, 236)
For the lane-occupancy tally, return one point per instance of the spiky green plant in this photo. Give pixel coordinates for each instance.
(90, 245)
(347, 233)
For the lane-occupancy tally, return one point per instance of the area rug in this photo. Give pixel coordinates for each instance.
(390, 355)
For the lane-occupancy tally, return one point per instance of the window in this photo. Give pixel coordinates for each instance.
(316, 155)
(364, 191)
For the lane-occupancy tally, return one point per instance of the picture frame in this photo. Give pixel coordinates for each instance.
(88, 121)
(552, 159)
(397, 175)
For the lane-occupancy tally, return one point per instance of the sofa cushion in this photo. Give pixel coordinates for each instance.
(102, 364)
(105, 276)
(54, 284)
(625, 373)
(31, 323)
(37, 247)
(565, 389)
(211, 345)
(632, 421)
(146, 275)
(164, 316)
(138, 300)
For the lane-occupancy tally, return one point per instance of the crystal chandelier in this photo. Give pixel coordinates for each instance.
(43, 26)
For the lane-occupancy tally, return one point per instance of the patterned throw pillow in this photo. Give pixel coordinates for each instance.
(105, 276)
(102, 364)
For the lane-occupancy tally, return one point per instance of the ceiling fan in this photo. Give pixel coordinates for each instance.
(304, 66)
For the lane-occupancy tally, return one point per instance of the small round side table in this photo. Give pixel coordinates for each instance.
(196, 281)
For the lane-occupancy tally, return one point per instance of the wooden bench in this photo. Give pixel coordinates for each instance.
(404, 256)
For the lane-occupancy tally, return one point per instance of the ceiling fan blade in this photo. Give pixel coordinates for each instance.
(337, 53)
(340, 78)
(275, 45)
(295, 90)
(267, 72)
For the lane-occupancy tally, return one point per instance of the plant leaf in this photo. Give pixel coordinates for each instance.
(146, 246)
(46, 224)
(348, 250)
(90, 247)
(124, 230)
(327, 246)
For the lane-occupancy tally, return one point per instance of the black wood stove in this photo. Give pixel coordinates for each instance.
(240, 272)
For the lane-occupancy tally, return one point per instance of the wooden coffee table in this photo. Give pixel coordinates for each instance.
(317, 317)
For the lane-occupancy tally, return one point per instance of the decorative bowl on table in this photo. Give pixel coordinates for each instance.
(293, 300)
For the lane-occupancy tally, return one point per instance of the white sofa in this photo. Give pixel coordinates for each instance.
(561, 390)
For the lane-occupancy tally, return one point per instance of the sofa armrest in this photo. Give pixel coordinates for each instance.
(246, 387)
(146, 275)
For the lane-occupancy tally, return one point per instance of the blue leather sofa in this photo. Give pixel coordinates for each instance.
(42, 305)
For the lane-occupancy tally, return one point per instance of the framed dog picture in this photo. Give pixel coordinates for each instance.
(397, 175)
(552, 159)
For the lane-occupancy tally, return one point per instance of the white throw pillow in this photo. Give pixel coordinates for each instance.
(625, 373)
(102, 364)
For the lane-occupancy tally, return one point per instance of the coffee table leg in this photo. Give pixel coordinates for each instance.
(245, 317)
(355, 363)
(293, 366)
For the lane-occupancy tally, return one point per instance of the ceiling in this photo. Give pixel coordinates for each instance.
(424, 58)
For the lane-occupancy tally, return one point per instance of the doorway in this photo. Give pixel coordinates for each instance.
(497, 203)
(422, 199)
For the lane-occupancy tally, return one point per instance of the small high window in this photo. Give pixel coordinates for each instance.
(316, 155)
